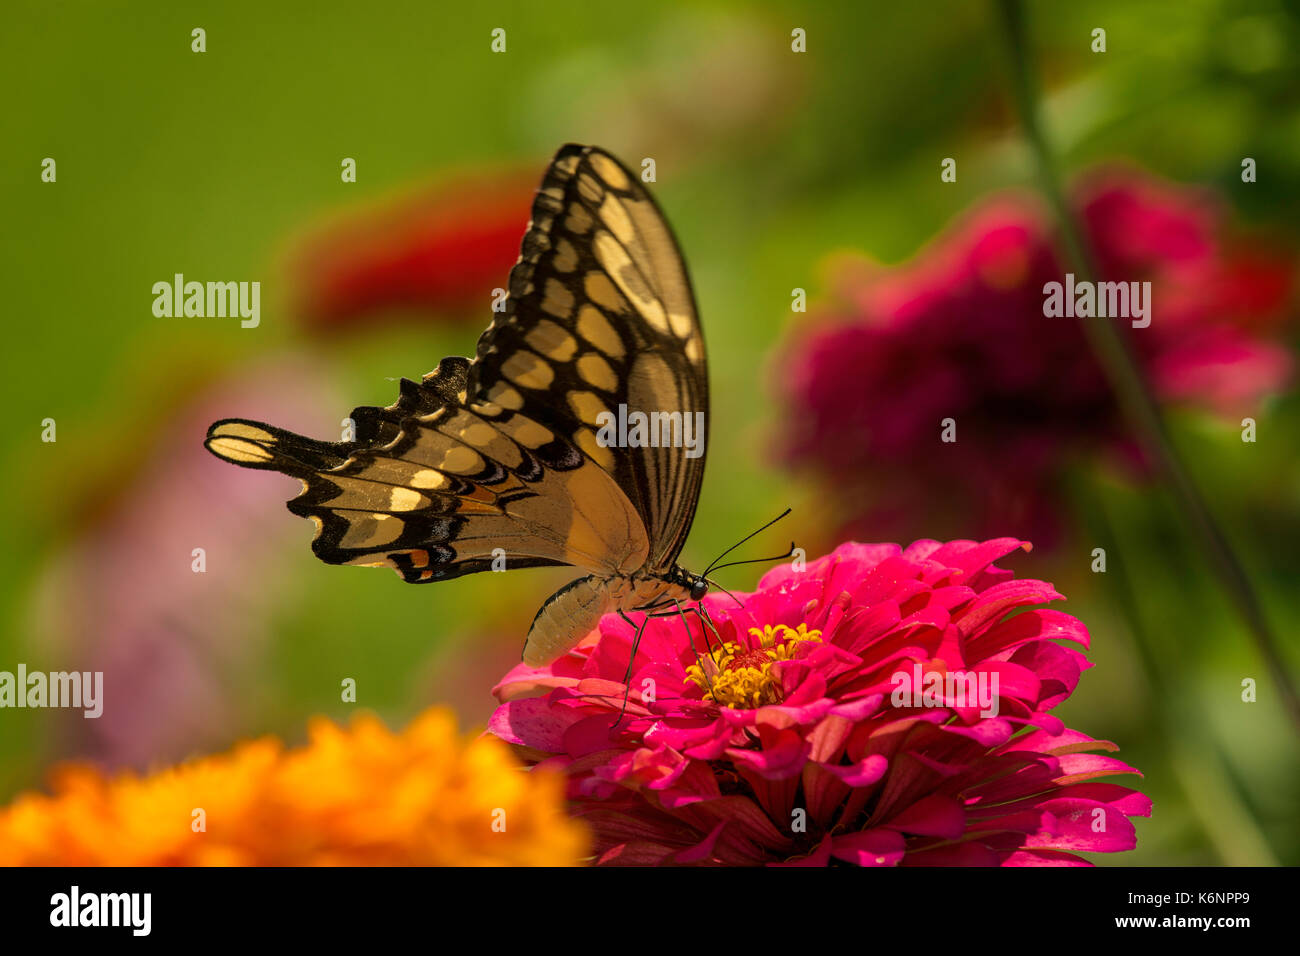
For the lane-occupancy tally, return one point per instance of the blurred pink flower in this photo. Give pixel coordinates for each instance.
(440, 251)
(961, 334)
(795, 747)
(124, 596)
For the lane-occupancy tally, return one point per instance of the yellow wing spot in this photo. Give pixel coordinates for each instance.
(616, 262)
(566, 257)
(568, 164)
(243, 430)
(528, 370)
(593, 449)
(617, 219)
(609, 171)
(552, 340)
(595, 371)
(371, 530)
(238, 450)
(488, 409)
(530, 434)
(461, 460)
(558, 300)
(589, 189)
(695, 348)
(406, 499)
(479, 435)
(505, 396)
(601, 291)
(578, 221)
(428, 478)
(596, 329)
(587, 406)
(682, 324)
(483, 436)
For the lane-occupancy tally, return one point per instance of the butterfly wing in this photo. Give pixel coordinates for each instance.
(601, 314)
(499, 456)
(432, 489)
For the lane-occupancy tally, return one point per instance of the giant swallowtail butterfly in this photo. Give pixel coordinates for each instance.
(501, 455)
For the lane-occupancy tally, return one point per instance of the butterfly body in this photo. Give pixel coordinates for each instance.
(504, 461)
(575, 611)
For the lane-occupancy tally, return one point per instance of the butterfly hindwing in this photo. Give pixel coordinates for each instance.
(434, 491)
(498, 457)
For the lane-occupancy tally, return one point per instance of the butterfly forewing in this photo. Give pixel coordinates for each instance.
(601, 314)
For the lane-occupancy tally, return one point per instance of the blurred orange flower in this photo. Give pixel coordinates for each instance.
(354, 796)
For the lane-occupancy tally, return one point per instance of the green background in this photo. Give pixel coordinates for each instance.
(210, 164)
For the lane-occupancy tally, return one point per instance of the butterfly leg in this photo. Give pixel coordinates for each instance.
(650, 610)
(707, 621)
(703, 612)
(681, 612)
(627, 677)
(686, 624)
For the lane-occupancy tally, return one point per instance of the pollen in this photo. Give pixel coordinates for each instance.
(741, 674)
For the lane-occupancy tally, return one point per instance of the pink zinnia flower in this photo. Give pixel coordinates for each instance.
(960, 333)
(793, 743)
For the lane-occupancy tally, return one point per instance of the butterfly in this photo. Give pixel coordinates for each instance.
(513, 456)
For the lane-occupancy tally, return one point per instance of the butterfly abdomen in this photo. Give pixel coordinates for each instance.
(566, 618)
(575, 611)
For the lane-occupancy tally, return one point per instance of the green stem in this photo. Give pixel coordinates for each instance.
(1193, 753)
(1115, 355)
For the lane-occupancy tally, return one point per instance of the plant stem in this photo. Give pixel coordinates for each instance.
(1115, 355)
(1194, 755)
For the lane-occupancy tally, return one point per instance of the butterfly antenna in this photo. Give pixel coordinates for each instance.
(746, 538)
(732, 564)
(726, 592)
(775, 557)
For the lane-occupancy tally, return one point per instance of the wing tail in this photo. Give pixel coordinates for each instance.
(257, 445)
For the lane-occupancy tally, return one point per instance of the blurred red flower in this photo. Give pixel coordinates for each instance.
(961, 333)
(441, 251)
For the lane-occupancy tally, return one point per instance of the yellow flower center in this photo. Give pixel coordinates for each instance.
(742, 676)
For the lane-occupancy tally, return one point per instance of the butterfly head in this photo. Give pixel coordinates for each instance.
(697, 585)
